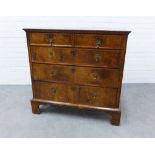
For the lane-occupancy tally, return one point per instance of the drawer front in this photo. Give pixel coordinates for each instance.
(103, 58)
(53, 92)
(53, 73)
(99, 41)
(52, 38)
(80, 75)
(84, 95)
(97, 76)
(52, 55)
(96, 96)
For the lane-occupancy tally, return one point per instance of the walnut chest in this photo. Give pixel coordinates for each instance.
(77, 68)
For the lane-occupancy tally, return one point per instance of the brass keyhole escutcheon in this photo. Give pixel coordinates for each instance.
(98, 57)
(53, 72)
(51, 54)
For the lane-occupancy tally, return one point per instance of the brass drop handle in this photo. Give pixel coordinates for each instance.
(92, 96)
(95, 76)
(53, 91)
(53, 72)
(51, 54)
(50, 38)
(98, 42)
(98, 57)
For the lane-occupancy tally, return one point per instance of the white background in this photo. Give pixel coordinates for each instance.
(78, 7)
(140, 57)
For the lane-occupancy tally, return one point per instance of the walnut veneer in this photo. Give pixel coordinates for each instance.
(77, 68)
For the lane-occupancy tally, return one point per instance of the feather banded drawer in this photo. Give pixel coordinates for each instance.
(77, 68)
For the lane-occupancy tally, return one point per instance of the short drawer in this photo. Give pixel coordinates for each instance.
(88, 57)
(99, 41)
(96, 96)
(53, 91)
(97, 76)
(52, 38)
(57, 73)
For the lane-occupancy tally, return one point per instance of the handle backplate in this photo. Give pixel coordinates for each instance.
(92, 96)
(98, 42)
(50, 38)
(53, 91)
(94, 76)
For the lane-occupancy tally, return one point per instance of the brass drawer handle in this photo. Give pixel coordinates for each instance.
(92, 97)
(51, 54)
(95, 76)
(53, 72)
(98, 42)
(98, 57)
(50, 38)
(53, 91)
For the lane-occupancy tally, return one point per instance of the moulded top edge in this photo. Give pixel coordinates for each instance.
(77, 30)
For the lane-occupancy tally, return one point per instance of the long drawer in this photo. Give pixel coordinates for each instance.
(75, 56)
(80, 75)
(84, 95)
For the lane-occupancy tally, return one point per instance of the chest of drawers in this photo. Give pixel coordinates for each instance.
(77, 68)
